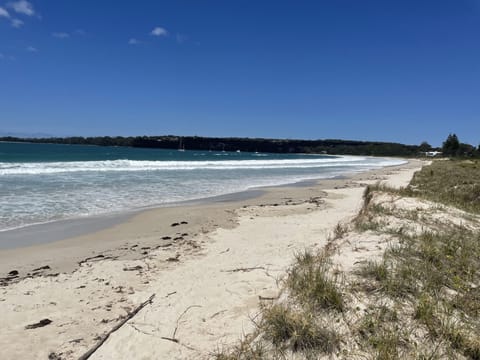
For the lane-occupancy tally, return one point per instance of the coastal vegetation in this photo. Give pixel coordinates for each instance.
(334, 147)
(416, 297)
(451, 147)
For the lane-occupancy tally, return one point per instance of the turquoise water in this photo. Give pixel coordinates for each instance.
(46, 182)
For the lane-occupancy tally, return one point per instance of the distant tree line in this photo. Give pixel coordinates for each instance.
(451, 147)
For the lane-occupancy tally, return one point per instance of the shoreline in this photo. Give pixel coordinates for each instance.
(68, 241)
(61, 229)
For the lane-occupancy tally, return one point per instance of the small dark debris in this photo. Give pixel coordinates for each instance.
(55, 356)
(133, 268)
(193, 244)
(41, 323)
(185, 234)
(184, 223)
(46, 267)
(145, 248)
(162, 246)
(166, 238)
(91, 258)
(178, 238)
(175, 224)
(174, 259)
(13, 273)
(76, 341)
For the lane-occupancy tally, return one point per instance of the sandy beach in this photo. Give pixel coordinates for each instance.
(205, 266)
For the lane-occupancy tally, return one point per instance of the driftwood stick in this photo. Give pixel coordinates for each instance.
(169, 339)
(246, 269)
(178, 320)
(267, 297)
(115, 328)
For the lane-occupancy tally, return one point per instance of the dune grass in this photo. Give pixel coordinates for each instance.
(312, 283)
(450, 182)
(432, 275)
(297, 330)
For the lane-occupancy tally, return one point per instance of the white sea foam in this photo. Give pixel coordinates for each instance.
(48, 191)
(138, 165)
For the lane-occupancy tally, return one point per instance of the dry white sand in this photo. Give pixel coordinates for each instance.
(207, 286)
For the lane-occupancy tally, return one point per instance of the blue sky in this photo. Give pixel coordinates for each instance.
(403, 71)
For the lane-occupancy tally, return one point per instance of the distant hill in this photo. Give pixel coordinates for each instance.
(24, 135)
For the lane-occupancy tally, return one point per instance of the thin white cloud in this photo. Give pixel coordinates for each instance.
(2, 56)
(80, 32)
(4, 13)
(61, 35)
(22, 7)
(32, 49)
(159, 31)
(17, 23)
(133, 41)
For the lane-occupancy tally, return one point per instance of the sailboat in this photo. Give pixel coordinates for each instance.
(181, 145)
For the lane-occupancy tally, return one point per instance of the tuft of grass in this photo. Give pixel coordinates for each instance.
(243, 351)
(468, 302)
(462, 340)
(340, 231)
(296, 330)
(311, 282)
(375, 270)
(379, 330)
(424, 310)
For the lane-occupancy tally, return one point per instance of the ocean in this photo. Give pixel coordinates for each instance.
(42, 183)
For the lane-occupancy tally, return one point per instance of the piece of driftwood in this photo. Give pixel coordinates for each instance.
(133, 268)
(46, 267)
(116, 327)
(173, 338)
(247, 269)
(41, 323)
(179, 318)
(169, 339)
(94, 258)
(174, 259)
